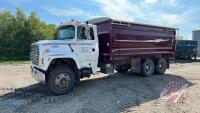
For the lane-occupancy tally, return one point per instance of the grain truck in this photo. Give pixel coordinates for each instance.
(101, 44)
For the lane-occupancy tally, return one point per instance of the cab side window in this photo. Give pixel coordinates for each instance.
(82, 35)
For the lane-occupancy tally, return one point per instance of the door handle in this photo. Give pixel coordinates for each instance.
(93, 49)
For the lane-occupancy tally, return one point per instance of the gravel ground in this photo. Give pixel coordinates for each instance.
(20, 93)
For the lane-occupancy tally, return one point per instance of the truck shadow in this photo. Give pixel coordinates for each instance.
(117, 91)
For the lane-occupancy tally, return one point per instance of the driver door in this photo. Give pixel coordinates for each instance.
(87, 46)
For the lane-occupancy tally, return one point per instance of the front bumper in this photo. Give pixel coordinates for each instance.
(38, 75)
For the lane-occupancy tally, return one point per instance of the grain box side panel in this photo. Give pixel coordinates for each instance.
(142, 41)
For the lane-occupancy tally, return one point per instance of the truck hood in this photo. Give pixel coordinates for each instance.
(52, 42)
(56, 47)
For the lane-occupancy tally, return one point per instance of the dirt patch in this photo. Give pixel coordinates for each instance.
(99, 94)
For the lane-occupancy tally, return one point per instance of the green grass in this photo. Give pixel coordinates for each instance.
(14, 59)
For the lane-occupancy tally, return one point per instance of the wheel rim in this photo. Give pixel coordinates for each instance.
(148, 68)
(62, 81)
(190, 56)
(161, 66)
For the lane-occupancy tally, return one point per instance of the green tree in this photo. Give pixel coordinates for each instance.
(19, 31)
(7, 32)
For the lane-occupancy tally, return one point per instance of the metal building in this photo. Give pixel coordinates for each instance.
(196, 37)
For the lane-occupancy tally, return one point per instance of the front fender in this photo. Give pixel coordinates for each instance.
(50, 58)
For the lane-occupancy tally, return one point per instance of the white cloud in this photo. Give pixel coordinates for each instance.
(119, 9)
(140, 12)
(151, 13)
(67, 11)
(126, 10)
(150, 1)
(173, 1)
(163, 3)
(169, 3)
(17, 2)
(171, 19)
(179, 19)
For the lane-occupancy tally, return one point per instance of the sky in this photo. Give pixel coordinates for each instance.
(182, 14)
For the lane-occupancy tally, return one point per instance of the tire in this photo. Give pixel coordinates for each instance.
(190, 56)
(195, 58)
(147, 67)
(122, 69)
(186, 56)
(61, 80)
(160, 66)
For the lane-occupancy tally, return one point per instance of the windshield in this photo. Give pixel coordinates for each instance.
(67, 32)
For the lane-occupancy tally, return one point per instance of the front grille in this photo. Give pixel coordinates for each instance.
(34, 54)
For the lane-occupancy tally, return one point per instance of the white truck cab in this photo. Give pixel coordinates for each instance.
(60, 63)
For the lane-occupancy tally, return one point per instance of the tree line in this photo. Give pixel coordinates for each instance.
(18, 31)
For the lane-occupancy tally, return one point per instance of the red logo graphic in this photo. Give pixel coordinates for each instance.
(174, 94)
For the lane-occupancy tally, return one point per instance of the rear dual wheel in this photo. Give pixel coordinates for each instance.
(160, 66)
(148, 67)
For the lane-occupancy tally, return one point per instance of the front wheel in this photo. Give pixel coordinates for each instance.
(61, 80)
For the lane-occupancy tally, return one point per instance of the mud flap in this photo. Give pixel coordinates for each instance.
(135, 65)
(107, 69)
